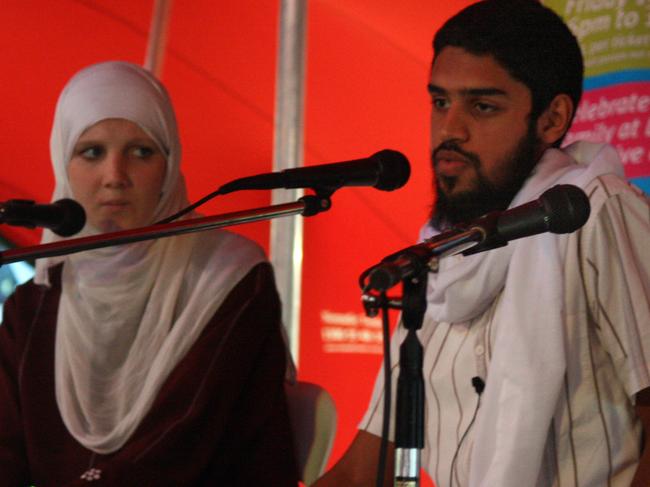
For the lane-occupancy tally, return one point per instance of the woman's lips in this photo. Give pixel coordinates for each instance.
(114, 204)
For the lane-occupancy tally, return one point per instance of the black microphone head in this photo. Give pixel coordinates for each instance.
(74, 218)
(394, 169)
(567, 207)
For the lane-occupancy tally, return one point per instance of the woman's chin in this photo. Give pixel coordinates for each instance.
(109, 225)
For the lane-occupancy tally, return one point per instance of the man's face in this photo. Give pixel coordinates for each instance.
(482, 140)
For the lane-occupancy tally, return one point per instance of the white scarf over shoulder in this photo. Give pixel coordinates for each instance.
(128, 314)
(527, 368)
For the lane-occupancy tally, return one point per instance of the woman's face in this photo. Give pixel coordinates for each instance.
(117, 172)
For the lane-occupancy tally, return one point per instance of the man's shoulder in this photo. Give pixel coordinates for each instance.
(611, 186)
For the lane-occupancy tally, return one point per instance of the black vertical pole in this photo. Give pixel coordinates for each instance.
(409, 419)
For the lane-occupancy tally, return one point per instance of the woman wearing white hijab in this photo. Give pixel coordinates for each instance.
(155, 363)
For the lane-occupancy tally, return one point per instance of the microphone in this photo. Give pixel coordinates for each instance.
(385, 170)
(561, 209)
(64, 217)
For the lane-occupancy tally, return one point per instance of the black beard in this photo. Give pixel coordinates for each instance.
(486, 197)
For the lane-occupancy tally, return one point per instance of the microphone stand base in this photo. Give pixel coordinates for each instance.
(407, 467)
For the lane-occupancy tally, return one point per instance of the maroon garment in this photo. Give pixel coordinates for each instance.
(220, 418)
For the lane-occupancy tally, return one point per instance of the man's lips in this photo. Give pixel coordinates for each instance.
(449, 163)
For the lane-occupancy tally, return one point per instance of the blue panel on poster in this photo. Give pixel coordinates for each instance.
(11, 275)
(643, 183)
(618, 77)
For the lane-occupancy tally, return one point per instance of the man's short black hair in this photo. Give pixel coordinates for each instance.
(529, 40)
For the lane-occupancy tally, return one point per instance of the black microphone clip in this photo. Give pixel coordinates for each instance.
(478, 384)
(488, 225)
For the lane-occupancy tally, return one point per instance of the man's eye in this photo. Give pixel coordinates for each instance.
(482, 107)
(440, 103)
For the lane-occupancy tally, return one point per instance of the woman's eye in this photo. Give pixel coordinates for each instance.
(143, 152)
(91, 153)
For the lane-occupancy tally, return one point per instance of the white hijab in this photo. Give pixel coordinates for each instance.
(128, 314)
(529, 355)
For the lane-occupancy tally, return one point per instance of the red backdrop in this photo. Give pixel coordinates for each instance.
(367, 67)
(366, 90)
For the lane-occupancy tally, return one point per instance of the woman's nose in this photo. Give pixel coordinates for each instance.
(116, 174)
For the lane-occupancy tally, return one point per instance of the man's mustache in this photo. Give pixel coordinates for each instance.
(451, 146)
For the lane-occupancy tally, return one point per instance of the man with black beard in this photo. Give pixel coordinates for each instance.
(450, 210)
(537, 354)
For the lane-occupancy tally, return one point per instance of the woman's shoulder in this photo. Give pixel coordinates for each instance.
(220, 244)
(27, 303)
(30, 290)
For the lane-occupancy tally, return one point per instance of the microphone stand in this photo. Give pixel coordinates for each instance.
(409, 413)
(307, 205)
(419, 260)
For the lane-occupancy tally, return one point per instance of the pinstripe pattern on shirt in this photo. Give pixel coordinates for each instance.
(595, 437)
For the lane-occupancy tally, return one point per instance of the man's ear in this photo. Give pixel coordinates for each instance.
(554, 122)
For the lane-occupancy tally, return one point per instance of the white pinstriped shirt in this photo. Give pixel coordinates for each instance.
(595, 438)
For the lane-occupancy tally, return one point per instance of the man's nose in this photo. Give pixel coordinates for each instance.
(454, 125)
